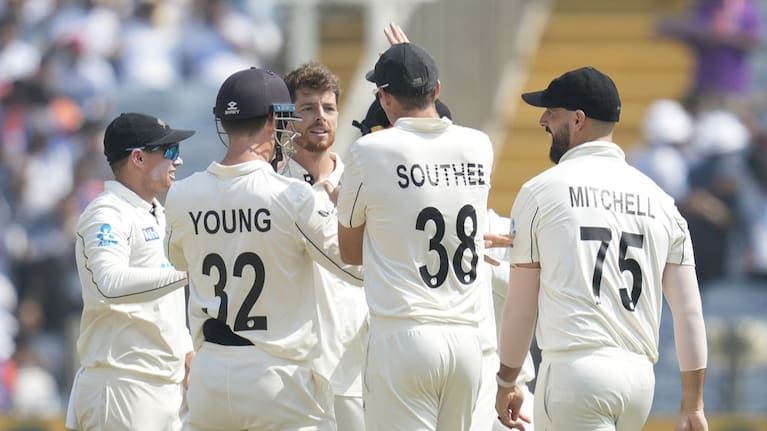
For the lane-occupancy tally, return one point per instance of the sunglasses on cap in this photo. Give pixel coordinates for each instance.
(172, 151)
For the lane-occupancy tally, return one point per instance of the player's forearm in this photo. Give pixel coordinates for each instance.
(692, 390)
(519, 314)
(131, 285)
(508, 374)
(680, 287)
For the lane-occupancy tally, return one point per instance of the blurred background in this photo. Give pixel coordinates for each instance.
(692, 76)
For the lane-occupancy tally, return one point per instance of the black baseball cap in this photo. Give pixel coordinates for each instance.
(376, 118)
(133, 130)
(586, 89)
(405, 69)
(252, 93)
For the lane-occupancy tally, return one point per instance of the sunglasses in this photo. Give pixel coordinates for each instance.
(171, 151)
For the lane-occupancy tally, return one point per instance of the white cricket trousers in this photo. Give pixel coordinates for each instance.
(107, 399)
(236, 388)
(601, 389)
(420, 376)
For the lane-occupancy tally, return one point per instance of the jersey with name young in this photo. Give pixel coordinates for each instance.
(133, 300)
(248, 237)
(603, 233)
(420, 189)
(342, 307)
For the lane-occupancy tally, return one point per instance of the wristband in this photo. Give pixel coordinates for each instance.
(504, 383)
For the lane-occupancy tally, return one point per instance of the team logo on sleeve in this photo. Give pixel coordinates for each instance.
(105, 236)
(150, 234)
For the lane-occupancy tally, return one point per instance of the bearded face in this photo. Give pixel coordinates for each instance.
(560, 142)
(319, 112)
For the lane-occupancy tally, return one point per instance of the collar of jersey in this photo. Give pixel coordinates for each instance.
(423, 125)
(237, 170)
(293, 169)
(594, 148)
(129, 195)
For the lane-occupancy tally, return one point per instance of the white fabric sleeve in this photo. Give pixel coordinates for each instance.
(680, 287)
(108, 263)
(317, 223)
(351, 197)
(519, 313)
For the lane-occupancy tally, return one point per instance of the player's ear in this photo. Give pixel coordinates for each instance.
(580, 118)
(135, 156)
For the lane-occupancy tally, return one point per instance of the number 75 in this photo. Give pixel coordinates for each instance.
(604, 235)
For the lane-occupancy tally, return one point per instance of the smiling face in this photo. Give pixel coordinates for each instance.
(160, 171)
(555, 122)
(319, 112)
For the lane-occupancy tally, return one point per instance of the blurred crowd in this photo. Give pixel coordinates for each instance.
(62, 65)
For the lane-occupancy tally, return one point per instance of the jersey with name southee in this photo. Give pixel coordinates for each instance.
(603, 233)
(420, 188)
(248, 237)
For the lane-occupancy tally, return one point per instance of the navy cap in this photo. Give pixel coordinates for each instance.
(586, 89)
(133, 130)
(251, 93)
(405, 69)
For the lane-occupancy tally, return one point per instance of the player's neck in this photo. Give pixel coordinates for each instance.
(242, 151)
(319, 164)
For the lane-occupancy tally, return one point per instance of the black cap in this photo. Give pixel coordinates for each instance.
(586, 89)
(251, 93)
(133, 130)
(405, 69)
(376, 118)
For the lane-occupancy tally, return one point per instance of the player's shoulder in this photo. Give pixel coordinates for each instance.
(107, 206)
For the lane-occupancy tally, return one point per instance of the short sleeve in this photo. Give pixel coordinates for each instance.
(680, 248)
(351, 199)
(523, 225)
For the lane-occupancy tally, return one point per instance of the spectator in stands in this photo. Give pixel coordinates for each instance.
(722, 34)
(18, 58)
(147, 57)
(220, 39)
(752, 203)
(719, 139)
(666, 130)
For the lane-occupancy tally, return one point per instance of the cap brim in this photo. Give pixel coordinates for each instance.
(173, 137)
(371, 76)
(534, 98)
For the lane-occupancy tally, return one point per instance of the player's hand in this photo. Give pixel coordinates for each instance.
(331, 191)
(495, 240)
(508, 403)
(395, 35)
(187, 366)
(692, 421)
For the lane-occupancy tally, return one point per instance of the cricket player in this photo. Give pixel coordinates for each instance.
(343, 311)
(133, 342)
(248, 238)
(412, 209)
(597, 245)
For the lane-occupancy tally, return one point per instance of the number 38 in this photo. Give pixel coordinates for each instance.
(467, 212)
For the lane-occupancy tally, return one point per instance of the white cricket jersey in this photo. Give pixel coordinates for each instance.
(342, 307)
(603, 233)
(420, 188)
(134, 316)
(248, 237)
